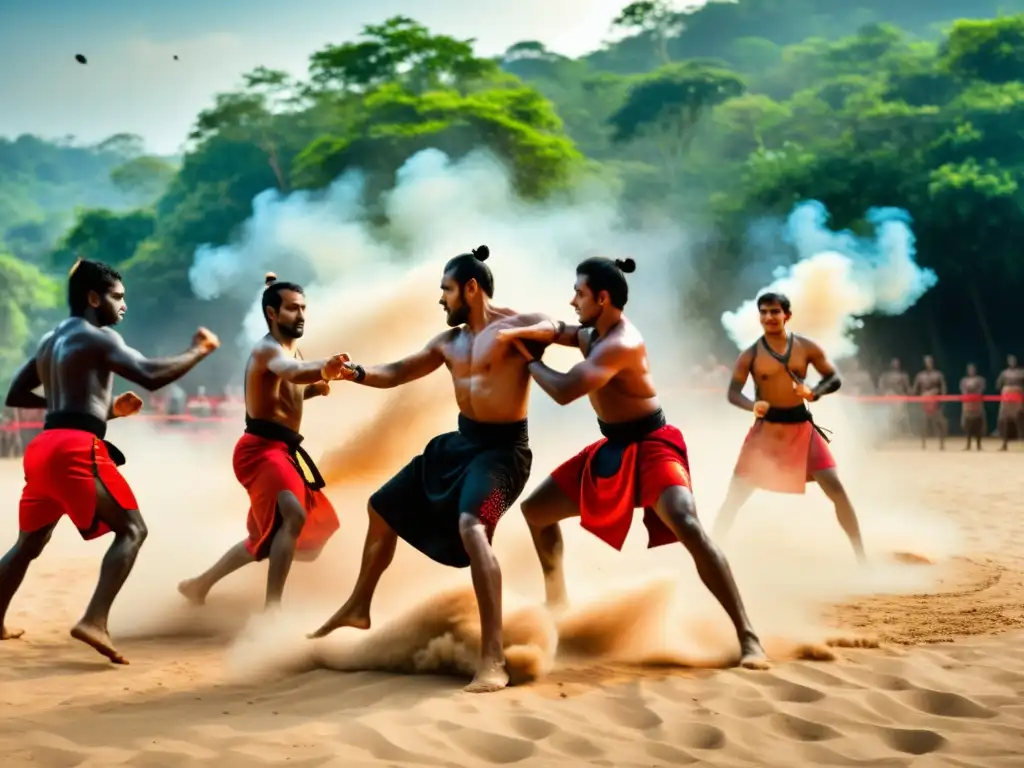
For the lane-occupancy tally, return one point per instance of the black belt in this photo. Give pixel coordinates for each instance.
(271, 430)
(796, 415)
(85, 422)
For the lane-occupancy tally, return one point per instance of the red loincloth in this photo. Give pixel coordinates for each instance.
(62, 467)
(265, 468)
(931, 407)
(782, 457)
(656, 461)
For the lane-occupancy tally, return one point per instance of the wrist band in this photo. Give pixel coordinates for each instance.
(360, 374)
(559, 328)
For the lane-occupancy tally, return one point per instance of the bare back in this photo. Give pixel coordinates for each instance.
(268, 396)
(630, 393)
(490, 378)
(74, 369)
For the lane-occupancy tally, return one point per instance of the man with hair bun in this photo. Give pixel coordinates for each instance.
(641, 460)
(447, 501)
(289, 515)
(70, 469)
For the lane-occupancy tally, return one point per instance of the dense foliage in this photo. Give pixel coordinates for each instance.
(727, 113)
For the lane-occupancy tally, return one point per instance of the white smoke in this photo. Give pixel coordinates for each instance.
(840, 278)
(437, 209)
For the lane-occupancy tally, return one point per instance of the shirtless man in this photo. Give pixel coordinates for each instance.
(448, 500)
(896, 383)
(1011, 410)
(641, 461)
(931, 382)
(972, 417)
(784, 449)
(69, 468)
(289, 515)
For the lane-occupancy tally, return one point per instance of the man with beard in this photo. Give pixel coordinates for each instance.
(69, 468)
(289, 515)
(784, 449)
(1011, 409)
(972, 417)
(931, 382)
(641, 460)
(447, 501)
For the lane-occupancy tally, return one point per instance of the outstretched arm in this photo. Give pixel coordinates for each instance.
(415, 366)
(294, 369)
(540, 327)
(740, 374)
(830, 381)
(21, 394)
(584, 377)
(149, 373)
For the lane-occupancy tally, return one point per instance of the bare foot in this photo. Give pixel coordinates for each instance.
(345, 617)
(10, 634)
(490, 678)
(192, 591)
(752, 655)
(98, 640)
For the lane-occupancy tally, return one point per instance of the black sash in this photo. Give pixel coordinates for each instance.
(271, 430)
(607, 461)
(795, 415)
(798, 414)
(85, 422)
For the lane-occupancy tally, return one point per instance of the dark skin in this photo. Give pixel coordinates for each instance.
(932, 381)
(778, 389)
(615, 376)
(1011, 382)
(75, 364)
(491, 385)
(973, 413)
(277, 383)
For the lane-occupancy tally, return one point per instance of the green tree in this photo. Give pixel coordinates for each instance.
(30, 301)
(667, 105)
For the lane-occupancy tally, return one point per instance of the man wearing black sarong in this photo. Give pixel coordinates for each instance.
(447, 501)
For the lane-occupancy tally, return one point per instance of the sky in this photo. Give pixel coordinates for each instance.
(132, 84)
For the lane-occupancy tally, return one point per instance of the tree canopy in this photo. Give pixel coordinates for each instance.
(717, 116)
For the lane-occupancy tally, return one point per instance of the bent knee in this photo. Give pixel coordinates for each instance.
(678, 510)
(293, 514)
(135, 529)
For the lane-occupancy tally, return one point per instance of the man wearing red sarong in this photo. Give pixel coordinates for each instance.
(69, 468)
(289, 515)
(640, 462)
(784, 449)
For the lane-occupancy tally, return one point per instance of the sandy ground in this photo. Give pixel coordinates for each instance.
(225, 686)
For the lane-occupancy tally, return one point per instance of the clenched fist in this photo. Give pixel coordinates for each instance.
(334, 368)
(761, 408)
(127, 404)
(206, 340)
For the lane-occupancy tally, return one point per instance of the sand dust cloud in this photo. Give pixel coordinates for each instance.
(376, 299)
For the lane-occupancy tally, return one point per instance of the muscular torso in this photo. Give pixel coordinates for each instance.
(269, 397)
(972, 385)
(1011, 380)
(490, 379)
(775, 385)
(630, 394)
(929, 383)
(894, 383)
(72, 367)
